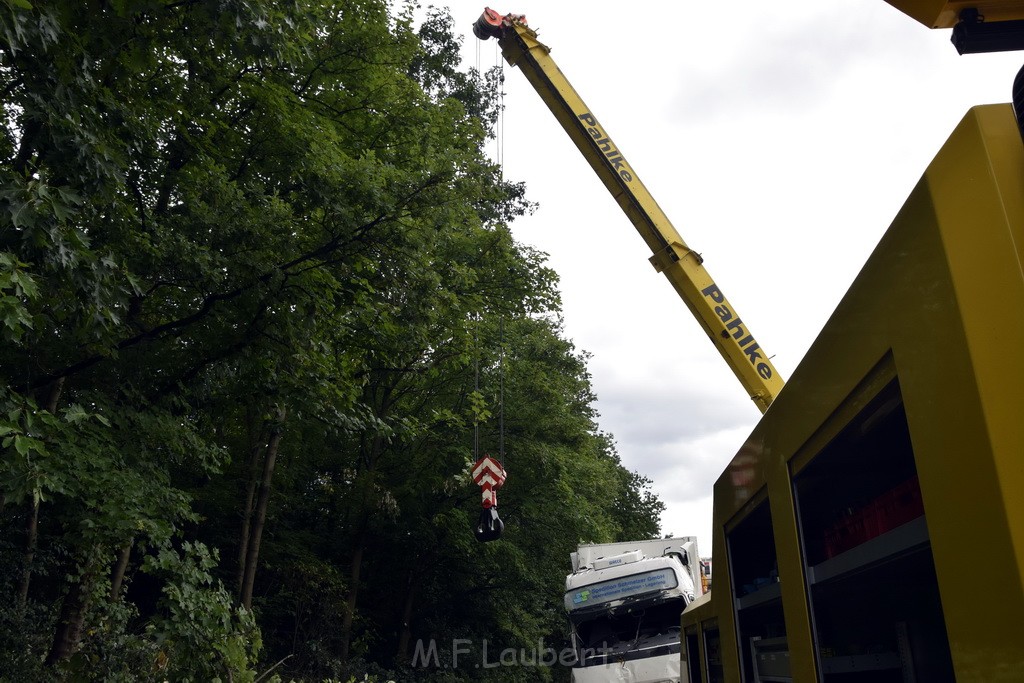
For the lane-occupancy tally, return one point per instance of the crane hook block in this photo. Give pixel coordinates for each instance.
(489, 474)
(490, 526)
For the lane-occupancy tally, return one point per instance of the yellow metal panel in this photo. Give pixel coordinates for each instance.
(943, 14)
(941, 301)
(974, 474)
(796, 609)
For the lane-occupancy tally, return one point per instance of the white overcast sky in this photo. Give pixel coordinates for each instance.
(780, 139)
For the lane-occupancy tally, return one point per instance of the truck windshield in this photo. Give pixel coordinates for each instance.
(617, 635)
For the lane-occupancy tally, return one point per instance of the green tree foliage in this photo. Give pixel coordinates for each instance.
(260, 309)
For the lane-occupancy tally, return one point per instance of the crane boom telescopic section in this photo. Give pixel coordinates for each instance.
(680, 264)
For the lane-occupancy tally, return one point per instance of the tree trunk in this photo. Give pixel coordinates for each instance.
(402, 655)
(32, 531)
(353, 595)
(117, 577)
(253, 551)
(255, 448)
(357, 554)
(28, 147)
(72, 618)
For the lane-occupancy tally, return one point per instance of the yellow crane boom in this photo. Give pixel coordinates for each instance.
(681, 265)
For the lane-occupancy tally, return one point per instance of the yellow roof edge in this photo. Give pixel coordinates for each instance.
(945, 14)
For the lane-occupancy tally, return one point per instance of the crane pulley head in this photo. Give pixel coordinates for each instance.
(491, 24)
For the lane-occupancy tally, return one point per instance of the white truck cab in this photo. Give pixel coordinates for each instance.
(623, 601)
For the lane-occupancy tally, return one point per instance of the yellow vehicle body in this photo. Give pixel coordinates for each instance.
(912, 389)
(946, 13)
(681, 265)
